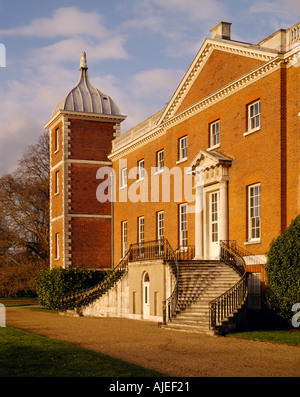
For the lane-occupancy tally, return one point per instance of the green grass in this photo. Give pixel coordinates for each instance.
(23, 354)
(279, 336)
(25, 301)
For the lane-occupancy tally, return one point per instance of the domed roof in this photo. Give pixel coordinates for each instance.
(86, 98)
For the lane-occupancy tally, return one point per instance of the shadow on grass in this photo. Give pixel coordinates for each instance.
(23, 354)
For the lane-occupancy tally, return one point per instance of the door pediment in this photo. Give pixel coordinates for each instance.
(209, 167)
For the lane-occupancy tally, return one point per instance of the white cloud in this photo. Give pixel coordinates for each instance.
(70, 50)
(155, 82)
(195, 9)
(67, 22)
(278, 12)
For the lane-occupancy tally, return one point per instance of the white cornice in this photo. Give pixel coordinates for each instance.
(83, 115)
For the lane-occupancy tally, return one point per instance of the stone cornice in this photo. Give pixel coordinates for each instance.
(83, 115)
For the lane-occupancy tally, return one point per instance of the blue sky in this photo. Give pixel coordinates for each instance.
(137, 52)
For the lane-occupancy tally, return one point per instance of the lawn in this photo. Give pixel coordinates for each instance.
(23, 354)
(24, 301)
(280, 336)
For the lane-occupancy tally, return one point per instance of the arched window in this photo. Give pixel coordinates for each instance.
(146, 278)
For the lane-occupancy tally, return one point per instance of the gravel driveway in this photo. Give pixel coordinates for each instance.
(173, 353)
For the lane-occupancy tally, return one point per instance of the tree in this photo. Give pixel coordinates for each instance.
(283, 271)
(24, 220)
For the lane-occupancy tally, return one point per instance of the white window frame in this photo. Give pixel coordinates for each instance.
(214, 216)
(160, 220)
(123, 178)
(141, 229)
(56, 140)
(253, 117)
(56, 183)
(254, 219)
(214, 129)
(160, 160)
(183, 148)
(57, 248)
(141, 170)
(124, 237)
(183, 225)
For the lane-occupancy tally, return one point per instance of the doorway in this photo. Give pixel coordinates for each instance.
(214, 246)
(146, 296)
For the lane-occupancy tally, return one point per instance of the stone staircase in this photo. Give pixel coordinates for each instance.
(199, 283)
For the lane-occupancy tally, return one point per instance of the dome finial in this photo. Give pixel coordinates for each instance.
(83, 63)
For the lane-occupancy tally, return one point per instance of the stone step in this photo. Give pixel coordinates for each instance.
(189, 328)
(211, 275)
(200, 281)
(209, 287)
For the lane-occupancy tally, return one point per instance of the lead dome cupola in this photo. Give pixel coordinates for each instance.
(85, 98)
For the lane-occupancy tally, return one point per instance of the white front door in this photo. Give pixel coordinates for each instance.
(146, 296)
(214, 246)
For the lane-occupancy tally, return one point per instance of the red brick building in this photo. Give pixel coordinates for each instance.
(220, 162)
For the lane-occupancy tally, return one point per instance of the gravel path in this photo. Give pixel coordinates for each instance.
(173, 353)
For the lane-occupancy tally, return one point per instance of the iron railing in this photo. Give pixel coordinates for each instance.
(227, 303)
(185, 253)
(86, 296)
(156, 249)
(159, 249)
(170, 304)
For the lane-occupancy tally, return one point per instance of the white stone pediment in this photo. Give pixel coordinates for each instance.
(206, 159)
(212, 165)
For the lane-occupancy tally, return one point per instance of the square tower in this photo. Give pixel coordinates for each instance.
(81, 129)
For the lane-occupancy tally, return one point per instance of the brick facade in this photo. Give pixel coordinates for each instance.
(221, 87)
(223, 84)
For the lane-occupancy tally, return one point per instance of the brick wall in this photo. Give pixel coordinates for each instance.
(90, 243)
(90, 140)
(293, 143)
(83, 187)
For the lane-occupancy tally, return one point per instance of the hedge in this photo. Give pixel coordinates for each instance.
(52, 284)
(283, 271)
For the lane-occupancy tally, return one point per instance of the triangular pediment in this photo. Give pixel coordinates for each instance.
(211, 71)
(207, 159)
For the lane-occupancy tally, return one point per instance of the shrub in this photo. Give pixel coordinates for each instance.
(52, 284)
(283, 271)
